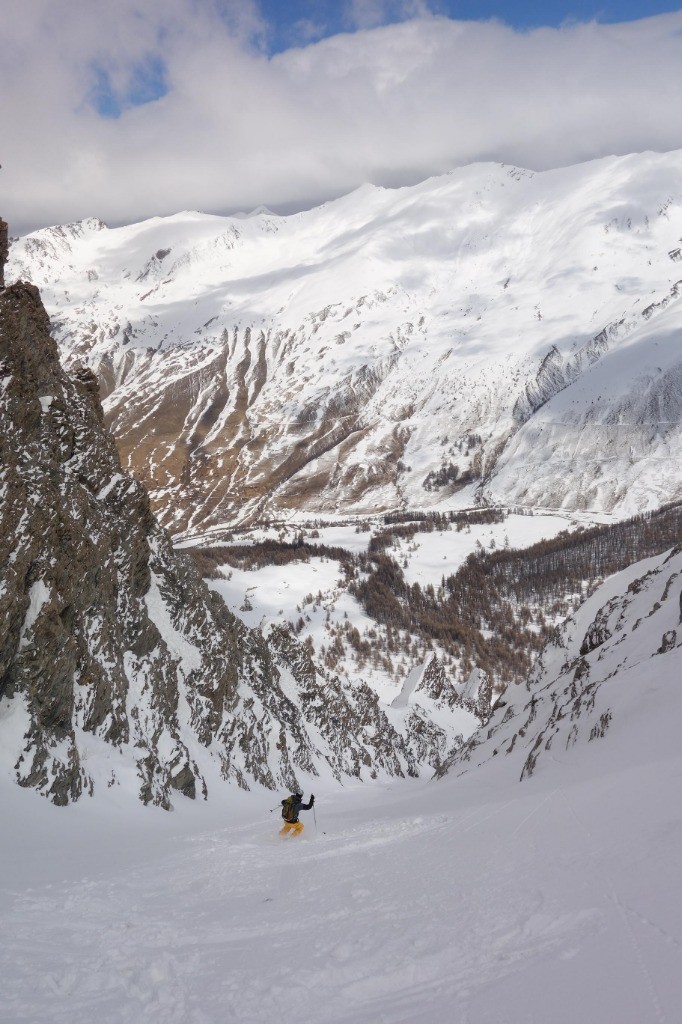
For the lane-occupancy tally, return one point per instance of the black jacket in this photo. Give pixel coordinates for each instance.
(299, 805)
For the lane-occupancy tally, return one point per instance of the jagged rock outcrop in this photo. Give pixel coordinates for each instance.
(436, 714)
(4, 250)
(117, 665)
(477, 694)
(80, 553)
(610, 650)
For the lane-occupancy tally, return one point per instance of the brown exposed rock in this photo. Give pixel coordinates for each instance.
(4, 250)
(75, 556)
(232, 454)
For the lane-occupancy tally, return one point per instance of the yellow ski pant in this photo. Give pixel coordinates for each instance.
(291, 828)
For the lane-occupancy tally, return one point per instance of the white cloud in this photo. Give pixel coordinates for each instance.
(236, 129)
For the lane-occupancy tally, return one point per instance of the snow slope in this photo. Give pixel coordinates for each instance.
(467, 901)
(520, 328)
(475, 899)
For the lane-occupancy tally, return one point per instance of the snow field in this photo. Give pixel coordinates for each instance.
(275, 590)
(474, 900)
(430, 556)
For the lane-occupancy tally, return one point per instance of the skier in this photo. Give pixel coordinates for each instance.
(290, 809)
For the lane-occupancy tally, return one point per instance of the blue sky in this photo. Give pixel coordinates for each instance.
(295, 22)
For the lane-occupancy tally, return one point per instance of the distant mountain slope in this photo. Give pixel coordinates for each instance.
(496, 333)
(117, 666)
(624, 640)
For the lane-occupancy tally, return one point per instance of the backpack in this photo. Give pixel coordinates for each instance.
(288, 812)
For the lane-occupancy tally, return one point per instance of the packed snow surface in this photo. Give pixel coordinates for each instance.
(472, 900)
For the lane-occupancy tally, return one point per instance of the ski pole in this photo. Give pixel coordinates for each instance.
(315, 820)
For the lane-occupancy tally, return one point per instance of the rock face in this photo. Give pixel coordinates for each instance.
(80, 554)
(118, 667)
(436, 714)
(625, 638)
(477, 694)
(504, 336)
(4, 250)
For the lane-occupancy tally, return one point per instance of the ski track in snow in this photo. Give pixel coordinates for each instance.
(489, 904)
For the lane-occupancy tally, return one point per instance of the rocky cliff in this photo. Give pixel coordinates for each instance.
(117, 666)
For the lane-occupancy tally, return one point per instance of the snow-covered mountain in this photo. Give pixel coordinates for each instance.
(493, 333)
(537, 879)
(118, 667)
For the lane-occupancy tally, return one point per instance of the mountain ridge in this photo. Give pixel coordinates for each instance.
(333, 359)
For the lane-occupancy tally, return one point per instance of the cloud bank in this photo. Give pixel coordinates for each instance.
(128, 110)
